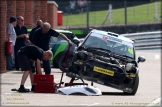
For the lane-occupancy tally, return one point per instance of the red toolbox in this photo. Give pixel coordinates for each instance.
(44, 84)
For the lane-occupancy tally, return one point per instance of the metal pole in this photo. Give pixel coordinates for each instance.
(156, 11)
(125, 9)
(88, 15)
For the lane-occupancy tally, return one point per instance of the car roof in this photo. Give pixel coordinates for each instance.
(63, 31)
(114, 35)
(60, 31)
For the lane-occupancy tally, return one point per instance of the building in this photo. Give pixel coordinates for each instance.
(31, 10)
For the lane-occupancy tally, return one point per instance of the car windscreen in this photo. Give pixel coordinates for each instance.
(110, 43)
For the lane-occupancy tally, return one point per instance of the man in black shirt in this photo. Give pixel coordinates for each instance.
(26, 55)
(21, 33)
(39, 25)
(41, 38)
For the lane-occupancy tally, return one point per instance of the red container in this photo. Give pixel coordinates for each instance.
(9, 47)
(59, 18)
(44, 84)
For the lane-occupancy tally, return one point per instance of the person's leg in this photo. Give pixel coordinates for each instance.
(9, 62)
(47, 67)
(16, 49)
(25, 66)
(24, 77)
(32, 80)
(81, 11)
(12, 55)
(36, 67)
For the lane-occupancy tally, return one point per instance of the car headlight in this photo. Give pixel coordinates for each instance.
(82, 55)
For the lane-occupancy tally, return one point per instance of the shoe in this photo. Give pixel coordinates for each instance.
(24, 90)
(17, 69)
(10, 69)
(32, 89)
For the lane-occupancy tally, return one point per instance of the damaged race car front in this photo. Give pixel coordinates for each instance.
(108, 59)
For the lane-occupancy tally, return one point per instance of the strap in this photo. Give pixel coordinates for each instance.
(67, 54)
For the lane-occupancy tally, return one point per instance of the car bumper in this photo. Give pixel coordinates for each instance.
(118, 80)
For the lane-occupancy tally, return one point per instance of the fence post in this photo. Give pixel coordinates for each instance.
(125, 11)
(110, 12)
(156, 11)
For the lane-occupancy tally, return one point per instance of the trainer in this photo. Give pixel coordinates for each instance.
(26, 55)
(41, 38)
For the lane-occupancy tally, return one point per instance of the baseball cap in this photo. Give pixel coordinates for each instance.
(13, 19)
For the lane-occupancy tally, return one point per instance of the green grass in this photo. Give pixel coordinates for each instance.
(137, 14)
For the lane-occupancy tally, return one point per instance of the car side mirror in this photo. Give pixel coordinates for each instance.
(72, 36)
(141, 59)
(76, 41)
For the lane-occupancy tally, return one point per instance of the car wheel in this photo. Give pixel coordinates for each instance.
(134, 86)
(61, 62)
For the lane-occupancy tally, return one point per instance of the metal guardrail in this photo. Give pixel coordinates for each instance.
(146, 40)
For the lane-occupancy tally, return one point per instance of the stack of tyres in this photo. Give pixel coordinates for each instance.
(44, 84)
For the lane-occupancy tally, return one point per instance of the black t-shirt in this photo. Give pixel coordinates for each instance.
(42, 40)
(19, 31)
(32, 52)
(32, 33)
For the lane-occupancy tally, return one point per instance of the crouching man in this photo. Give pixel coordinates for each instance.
(26, 55)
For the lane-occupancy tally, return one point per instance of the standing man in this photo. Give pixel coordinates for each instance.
(11, 35)
(21, 33)
(41, 39)
(27, 54)
(39, 25)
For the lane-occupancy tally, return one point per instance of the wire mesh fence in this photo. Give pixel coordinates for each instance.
(100, 12)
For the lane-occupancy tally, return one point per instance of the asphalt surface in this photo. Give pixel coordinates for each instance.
(149, 89)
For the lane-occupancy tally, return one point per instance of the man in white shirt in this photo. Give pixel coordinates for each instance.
(11, 35)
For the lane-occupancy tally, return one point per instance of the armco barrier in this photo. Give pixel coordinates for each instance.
(146, 40)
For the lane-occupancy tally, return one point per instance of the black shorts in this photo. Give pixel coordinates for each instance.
(25, 62)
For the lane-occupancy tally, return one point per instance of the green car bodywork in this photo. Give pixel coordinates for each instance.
(59, 47)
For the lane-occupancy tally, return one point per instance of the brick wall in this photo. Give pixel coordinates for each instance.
(20, 8)
(36, 11)
(31, 10)
(11, 9)
(52, 14)
(43, 10)
(28, 14)
(3, 14)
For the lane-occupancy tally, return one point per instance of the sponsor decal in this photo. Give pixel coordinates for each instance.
(109, 38)
(103, 71)
(132, 75)
(130, 50)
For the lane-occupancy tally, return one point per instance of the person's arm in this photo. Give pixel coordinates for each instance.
(56, 34)
(21, 36)
(64, 37)
(38, 66)
(9, 31)
(25, 35)
(7, 37)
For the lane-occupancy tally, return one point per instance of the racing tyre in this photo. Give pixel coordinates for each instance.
(134, 86)
(61, 60)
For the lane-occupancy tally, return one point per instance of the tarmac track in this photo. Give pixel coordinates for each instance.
(149, 89)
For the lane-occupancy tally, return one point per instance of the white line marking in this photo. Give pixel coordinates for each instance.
(85, 104)
(93, 104)
(156, 102)
(157, 56)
